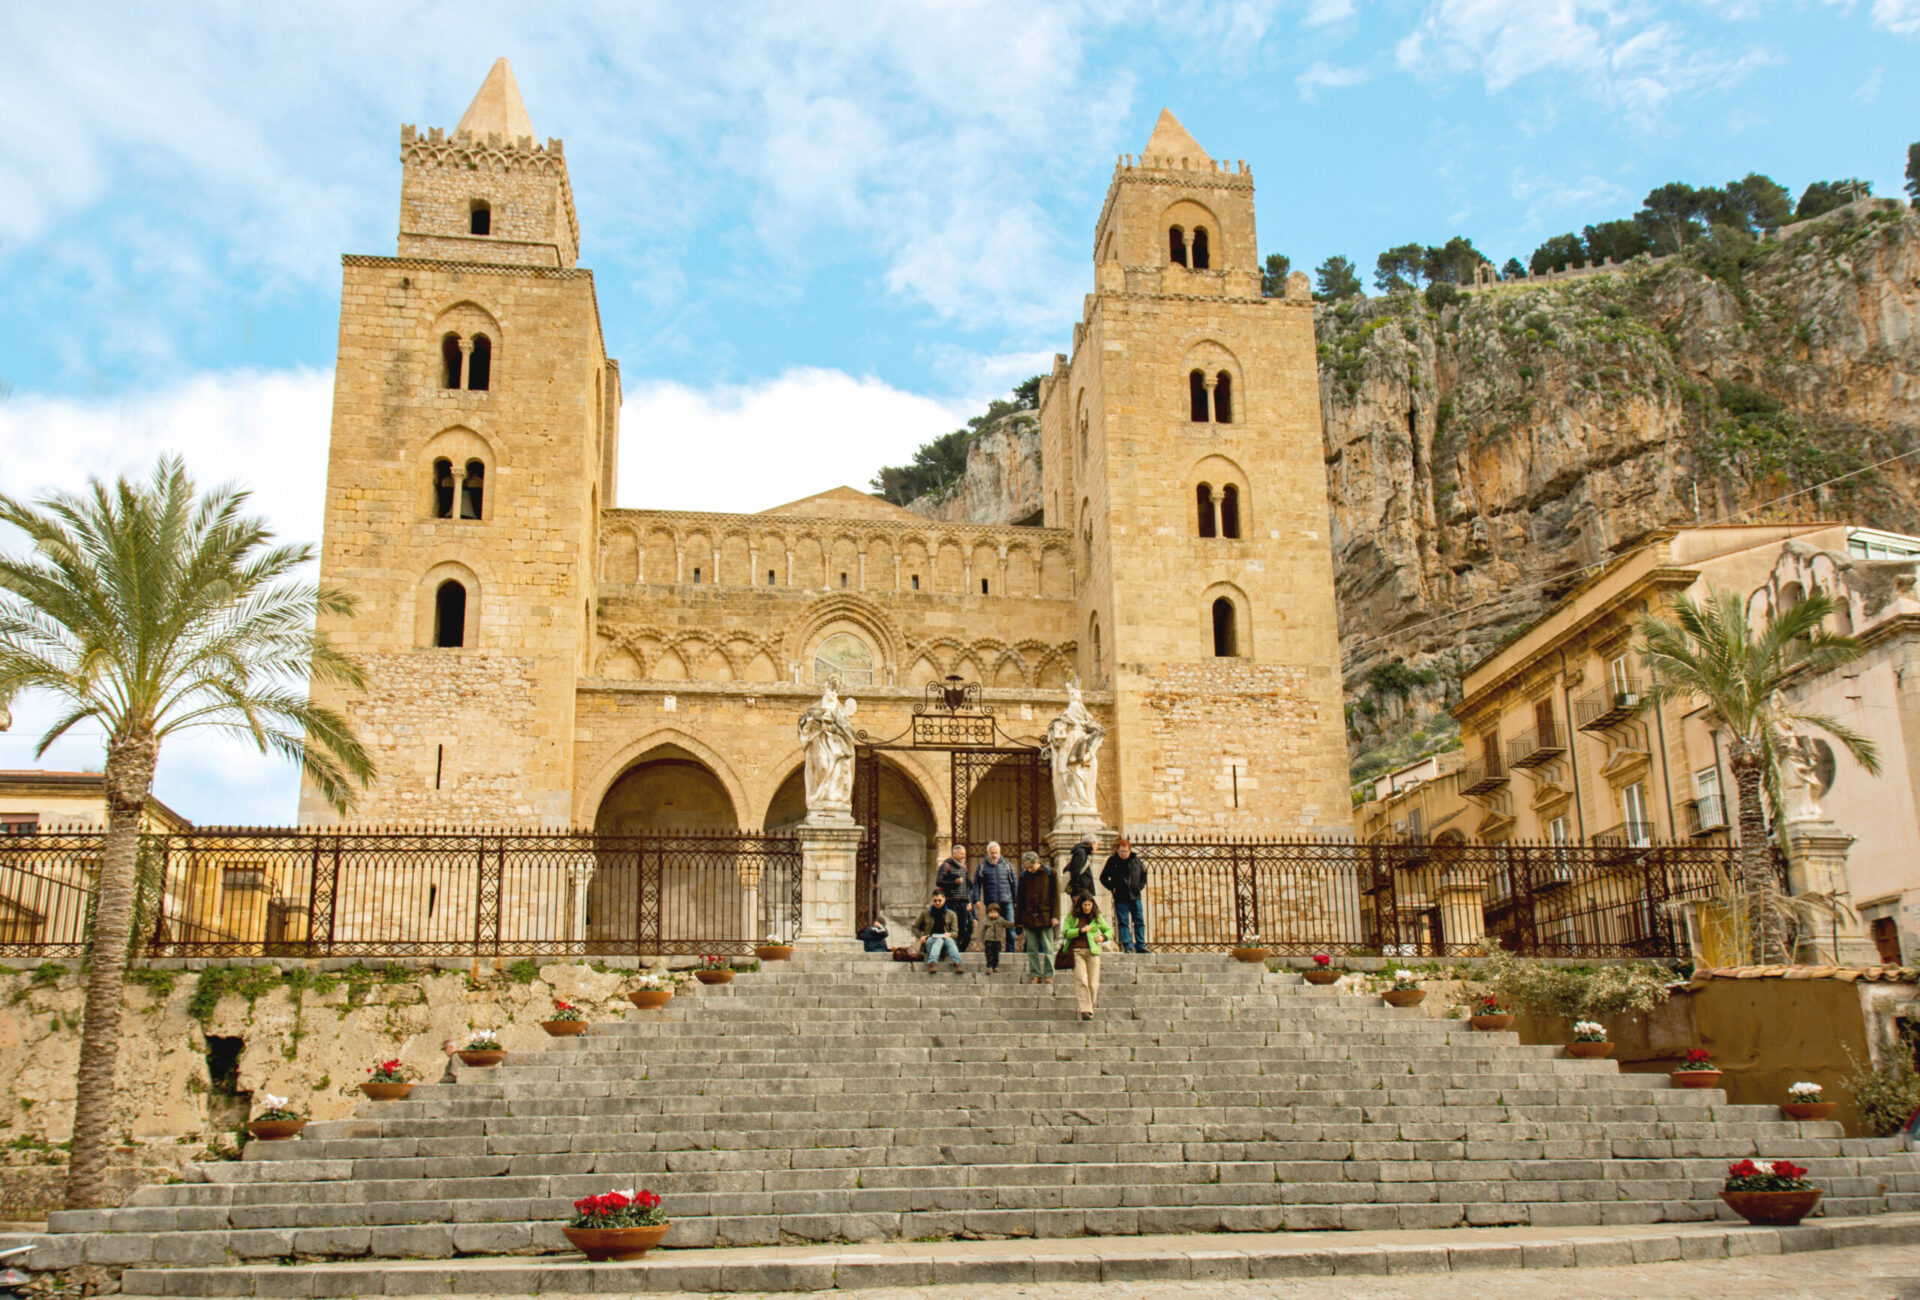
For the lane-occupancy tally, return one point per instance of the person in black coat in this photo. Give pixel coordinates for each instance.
(1125, 877)
(952, 879)
(1080, 868)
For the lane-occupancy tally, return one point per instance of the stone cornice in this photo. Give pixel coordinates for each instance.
(834, 524)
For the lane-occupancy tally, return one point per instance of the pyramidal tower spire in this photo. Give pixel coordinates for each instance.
(499, 110)
(1169, 144)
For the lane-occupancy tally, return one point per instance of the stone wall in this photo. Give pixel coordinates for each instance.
(309, 1045)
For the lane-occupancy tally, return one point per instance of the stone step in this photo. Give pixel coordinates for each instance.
(998, 1265)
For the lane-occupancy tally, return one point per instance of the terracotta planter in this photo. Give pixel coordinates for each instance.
(386, 1091)
(711, 977)
(1249, 954)
(483, 1058)
(1321, 975)
(620, 1244)
(773, 951)
(1773, 1209)
(1405, 997)
(1499, 1021)
(1808, 1109)
(1695, 1078)
(565, 1028)
(1589, 1051)
(275, 1130)
(646, 999)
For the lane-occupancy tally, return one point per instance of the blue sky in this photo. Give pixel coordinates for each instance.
(821, 233)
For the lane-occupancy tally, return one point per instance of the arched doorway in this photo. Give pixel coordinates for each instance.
(909, 836)
(647, 880)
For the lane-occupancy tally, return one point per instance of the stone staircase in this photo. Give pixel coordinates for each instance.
(852, 1098)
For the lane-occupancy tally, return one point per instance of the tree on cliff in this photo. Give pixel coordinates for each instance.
(1708, 652)
(937, 464)
(146, 609)
(1913, 172)
(1557, 254)
(1273, 276)
(1337, 279)
(1399, 269)
(1824, 196)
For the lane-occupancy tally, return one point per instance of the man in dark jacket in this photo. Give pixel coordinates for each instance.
(1125, 877)
(1037, 909)
(935, 929)
(1080, 868)
(952, 879)
(993, 882)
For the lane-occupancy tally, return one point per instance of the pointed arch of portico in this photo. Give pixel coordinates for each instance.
(913, 766)
(589, 794)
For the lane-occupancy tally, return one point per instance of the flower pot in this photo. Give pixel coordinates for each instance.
(1499, 1020)
(1695, 1078)
(1404, 997)
(724, 976)
(1808, 1109)
(275, 1130)
(1773, 1209)
(483, 1058)
(1322, 975)
(773, 951)
(386, 1091)
(602, 1244)
(1249, 954)
(1589, 1051)
(565, 1028)
(646, 999)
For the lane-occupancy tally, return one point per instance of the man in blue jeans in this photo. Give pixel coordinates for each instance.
(1125, 877)
(936, 928)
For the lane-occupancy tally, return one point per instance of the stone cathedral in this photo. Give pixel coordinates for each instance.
(538, 654)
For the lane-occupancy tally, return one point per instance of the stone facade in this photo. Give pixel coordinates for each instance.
(644, 669)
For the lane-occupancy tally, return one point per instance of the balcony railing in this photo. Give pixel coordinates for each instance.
(1542, 744)
(1484, 776)
(1609, 706)
(1627, 835)
(1706, 815)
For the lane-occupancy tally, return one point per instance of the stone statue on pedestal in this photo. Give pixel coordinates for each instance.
(1073, 753)
(826, 729)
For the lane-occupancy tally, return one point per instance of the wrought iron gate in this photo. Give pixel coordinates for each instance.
(999, 787)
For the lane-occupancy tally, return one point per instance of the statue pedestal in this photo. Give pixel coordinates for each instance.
(829, 851)
(1817, 864)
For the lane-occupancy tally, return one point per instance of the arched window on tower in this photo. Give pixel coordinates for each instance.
(1230, 511)
(450, 361)
(443, 488)
(1223, 398)
(473, 488)
(1099, 666)
(480, 222)
(1200, 258)
(480, 364)
(450, 615)
(1197, 397)
(1177, 246)
(1203, 498)
(1225, 642)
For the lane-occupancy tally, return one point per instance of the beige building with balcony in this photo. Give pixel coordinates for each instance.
(1562, 745)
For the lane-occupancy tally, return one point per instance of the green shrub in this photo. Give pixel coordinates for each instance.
(524, 971)
(1575, 992)
(1888, 1093)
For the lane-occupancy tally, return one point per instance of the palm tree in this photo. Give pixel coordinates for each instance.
(147, 610)
(1708, 651)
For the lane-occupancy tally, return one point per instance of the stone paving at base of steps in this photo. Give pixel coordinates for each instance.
(1478, 1256)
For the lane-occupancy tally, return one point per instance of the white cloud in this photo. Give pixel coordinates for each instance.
(1324, 13)
(1325, 76)
(267, 431)
(1901, 17)
(1553, 200)
(1869, 90)
(750, 447)
(1620, 51)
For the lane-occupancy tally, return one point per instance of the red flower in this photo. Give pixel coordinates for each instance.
(1745, 1169)
(1787, 1169)
(1321, 959)
(1699, 1057)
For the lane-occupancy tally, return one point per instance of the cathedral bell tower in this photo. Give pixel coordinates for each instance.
(1182, 445)
(475, 421)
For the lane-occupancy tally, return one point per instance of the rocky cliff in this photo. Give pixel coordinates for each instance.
(1484, 453)
(1001, 484)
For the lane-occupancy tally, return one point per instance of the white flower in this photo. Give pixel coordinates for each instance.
(1403, 974)
(624, 1191)
(1764, 1166)
(1589, 1027)
(275, 1103)
(1805, 1090)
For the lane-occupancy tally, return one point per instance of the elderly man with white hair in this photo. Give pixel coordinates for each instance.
(994, 882)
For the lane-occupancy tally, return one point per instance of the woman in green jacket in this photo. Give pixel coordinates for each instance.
(1082, 934)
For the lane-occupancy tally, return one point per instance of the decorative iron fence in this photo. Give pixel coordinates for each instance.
(301, 894)
(1428, 899)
